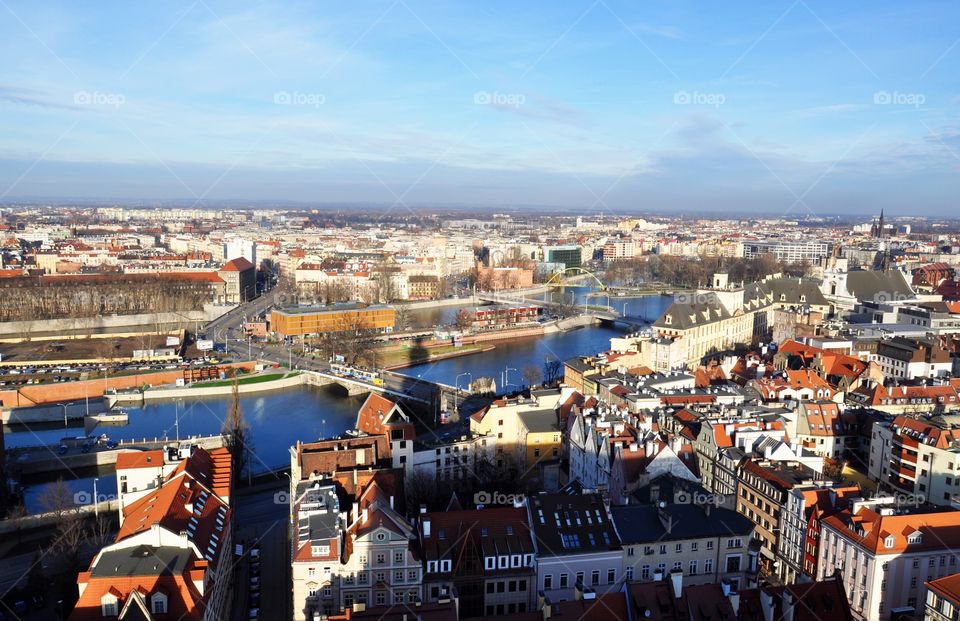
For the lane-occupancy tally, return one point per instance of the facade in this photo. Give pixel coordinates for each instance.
(943, 599)
(499, 316)
(763, 490)
(317, 545)
(799, 521)
(708, 544)
(569, 256)
(886, 559)
(907, 359)
(315, 321)
(485, 556)
(916, 457)
(576, 544)
(240, 280)
(788, 251)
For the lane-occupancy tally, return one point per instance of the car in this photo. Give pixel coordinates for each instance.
(255, 552)
(86, 447)
(254, 614)
(255, 569)
(63, 449)
(111, 444)
(254, 583)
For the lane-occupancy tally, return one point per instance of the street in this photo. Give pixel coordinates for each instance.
(261, 519)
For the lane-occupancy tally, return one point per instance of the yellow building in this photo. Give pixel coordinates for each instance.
(293, 322)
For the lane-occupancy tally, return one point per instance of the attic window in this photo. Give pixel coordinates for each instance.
(108, 605)
(888, 542)
(783, 297)
(915, 537)
(803, 298)
(158, 603)
(669, 320)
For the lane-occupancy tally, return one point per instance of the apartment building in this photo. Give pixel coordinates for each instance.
(763, 490)
(885, 558)
(173, 553)
(709, 544)
(485, 556)
(825, 428)
(800, 526)
(317, 545)
(919, 457)
(240, 280)
(909, 359)
(575, 544)
(943, 599)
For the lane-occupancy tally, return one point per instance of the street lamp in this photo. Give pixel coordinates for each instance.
(64, 406)
(96, 500)
(456, 396)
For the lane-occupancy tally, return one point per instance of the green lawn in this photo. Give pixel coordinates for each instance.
(254, 379)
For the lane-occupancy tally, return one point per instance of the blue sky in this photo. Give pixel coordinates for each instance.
(791, 107)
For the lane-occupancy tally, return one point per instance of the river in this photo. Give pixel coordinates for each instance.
(278, 419)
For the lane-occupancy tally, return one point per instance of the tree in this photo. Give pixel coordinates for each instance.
(552, 371)
(531, 374)
(465, 319)
(403, 318)
(235, 432)
(58, 499)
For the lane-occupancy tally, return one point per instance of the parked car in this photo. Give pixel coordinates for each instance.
(86, 447)
(63, 449)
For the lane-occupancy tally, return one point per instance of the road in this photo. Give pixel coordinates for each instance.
(261, 517)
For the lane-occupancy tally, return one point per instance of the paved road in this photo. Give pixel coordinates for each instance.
(262, 517)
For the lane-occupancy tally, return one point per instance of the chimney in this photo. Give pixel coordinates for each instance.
(648, 447)
(426, 529)
(766, 605)
(356, 510)
(423, 508)
(787, 606)
(633, 447)
(676, 578)
(363, 516)
(391, 502)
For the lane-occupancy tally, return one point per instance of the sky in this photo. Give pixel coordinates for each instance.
(797, 107)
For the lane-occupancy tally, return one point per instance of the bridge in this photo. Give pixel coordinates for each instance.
(392, 384)
(607, 314)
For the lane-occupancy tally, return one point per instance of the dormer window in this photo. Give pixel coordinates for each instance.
(158, 603)
(888, 542)
(108, 605)
(490, 563)
(915, 537)
(669, 320)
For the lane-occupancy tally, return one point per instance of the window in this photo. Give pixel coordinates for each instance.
(563, 580)
(611, 576)
(381, 598)
(708, 565)
(159, 603)
(644, 572)
(595, 577)
(547, 582)
(693, 568)
(679, 548)
(733, 563)
(629, 572)
(709, 545)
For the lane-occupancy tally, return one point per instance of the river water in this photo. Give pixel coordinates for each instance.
(278, 419)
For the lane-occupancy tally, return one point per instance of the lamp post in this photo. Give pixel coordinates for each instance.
(96, 500)
(64, 406)
(456, 395)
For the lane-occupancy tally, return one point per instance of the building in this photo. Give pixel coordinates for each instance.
(763, 490)
(788, 251)
(423, 287)
(501, 316)
(826, 429)
(569, 256)
(943, 599)
(885, 558)
(317, 542)
(485, 556)
(320, 320)
(799, 521)
(909, 359)
(917, 457)
(671, 599)
(240, 280)
(173, 555)
(576, 544)
(709, 544)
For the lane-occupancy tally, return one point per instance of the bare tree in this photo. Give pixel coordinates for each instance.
(552, 371)
(403, 318)
(465, 319)
(531, 373)
(235, 432)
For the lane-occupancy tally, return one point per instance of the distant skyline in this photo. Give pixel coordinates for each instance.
(795, 108)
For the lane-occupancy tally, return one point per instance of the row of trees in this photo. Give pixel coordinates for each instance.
(696, 271)
(32, 299)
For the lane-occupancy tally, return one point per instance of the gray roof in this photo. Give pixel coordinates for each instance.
(142, 560)
(642, 523)
(879, 286)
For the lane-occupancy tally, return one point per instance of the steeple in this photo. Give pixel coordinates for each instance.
(880, 224)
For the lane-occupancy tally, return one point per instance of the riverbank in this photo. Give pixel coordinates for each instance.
(441, 353)
(245, 385)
